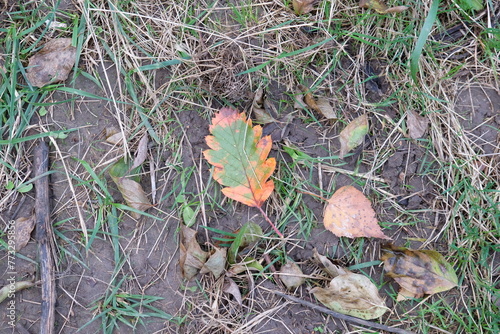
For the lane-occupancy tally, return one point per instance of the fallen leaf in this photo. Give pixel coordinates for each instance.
(418, 271)
(353, 134)
(239, 154)
(320, 105)
(349, 214)
(417, 125)
(192, 257)
(14, 287)
(216, 263)
(129, 187)
(397, 9)
(352, 294)
(327, 265)
(231, 288)
(24, 227)
(381, 7)
(303, 6)
(291, 275)
(248, 234)
(141, 153)
(52, 63)
(247, 264)
(259, 108)
(325, 108)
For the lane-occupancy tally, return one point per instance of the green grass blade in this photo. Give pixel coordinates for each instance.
(422, 38)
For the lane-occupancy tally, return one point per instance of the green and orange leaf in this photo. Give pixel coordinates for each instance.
(239, 154)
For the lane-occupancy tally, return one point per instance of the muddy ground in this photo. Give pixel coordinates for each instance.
(151, 245)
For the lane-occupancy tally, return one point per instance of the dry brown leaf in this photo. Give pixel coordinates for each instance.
(349, 214)
(353, 135)
(417, 125)
(231, 287)
(52, 63)
(321, 105)
(133, 194)
(326, 108)
(397, 9)
(327, 265)
(418, 272)
(192, 257)
(352, 294)
(142, 152)
(291, 275)
(303, 6)
(381, 7)
(24, 227)
(216, 263)
(259, 108)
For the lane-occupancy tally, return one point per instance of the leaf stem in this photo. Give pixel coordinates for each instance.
(270, 222)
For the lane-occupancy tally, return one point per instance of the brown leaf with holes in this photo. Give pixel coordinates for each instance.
(52, 63)
(192, 257)
(417, 125)
(24, 227)
(349, 214)
(418, 272)
(303, 6)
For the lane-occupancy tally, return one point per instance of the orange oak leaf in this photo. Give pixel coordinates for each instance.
(349, 214)
(239, 154)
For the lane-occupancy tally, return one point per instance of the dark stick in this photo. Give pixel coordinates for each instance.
(343, 316)
(43, 235)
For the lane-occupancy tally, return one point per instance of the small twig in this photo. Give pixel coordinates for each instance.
(343, 316)
(43, 236)
(270, 223)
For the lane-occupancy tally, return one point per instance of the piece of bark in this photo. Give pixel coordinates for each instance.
(43, 238)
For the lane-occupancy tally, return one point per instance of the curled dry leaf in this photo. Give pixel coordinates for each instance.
(192, 257)
(352, 294)
(381, 7)
(130, 188)
(417, 125)
(141, 153)
(418, 272)
(231, 288)
(349, 214)
(52, 63)
(113, 136)
(321, 105)
(216, 263)
(291, 275)
(14, 287)
(24, 227)
(303, 6)
(327, 265)
(353, 134)
(259, 108)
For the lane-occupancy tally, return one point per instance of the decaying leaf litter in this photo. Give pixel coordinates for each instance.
(312, 164)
